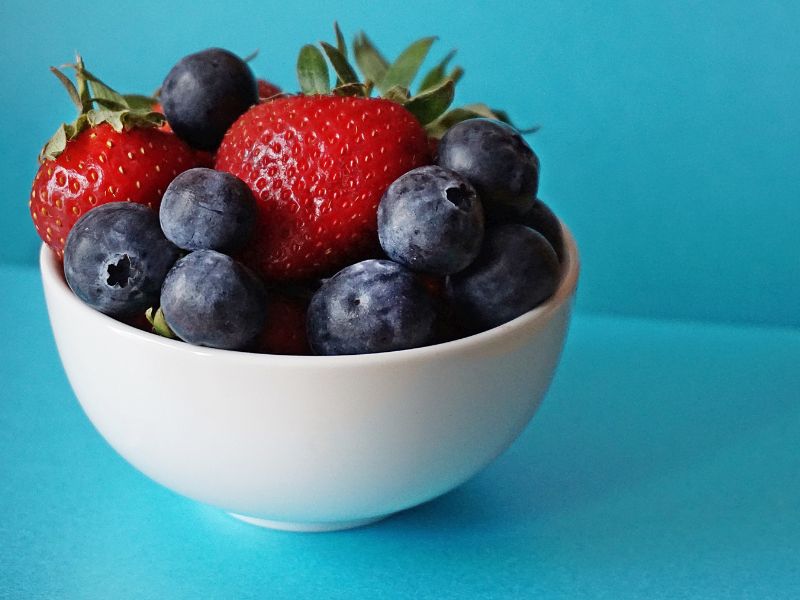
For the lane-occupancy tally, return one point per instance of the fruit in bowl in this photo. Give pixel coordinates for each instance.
(392, 249)
(308, 442)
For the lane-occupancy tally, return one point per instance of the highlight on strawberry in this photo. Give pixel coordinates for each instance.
(334, 220)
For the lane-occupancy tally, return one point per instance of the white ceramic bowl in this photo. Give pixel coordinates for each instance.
(308, 443)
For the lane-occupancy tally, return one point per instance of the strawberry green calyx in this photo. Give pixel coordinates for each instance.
(437, 128)
(312, 72)
(159, 323)
(393, 80)
(97, 103)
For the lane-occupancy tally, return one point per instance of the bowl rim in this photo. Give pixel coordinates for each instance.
(53, 279)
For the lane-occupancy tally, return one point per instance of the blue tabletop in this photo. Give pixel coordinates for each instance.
(663, 464)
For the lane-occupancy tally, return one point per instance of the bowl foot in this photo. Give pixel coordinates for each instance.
(307, 527)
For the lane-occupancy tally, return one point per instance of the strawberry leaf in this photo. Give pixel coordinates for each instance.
(405, 68)
(371, 62)
(55, 144)
(312, 71)
(438, 127)
(110, 104)
(341, 45)
(71, 89)
(83, 88)
(120, 112)
(100, 91)
(159, 323)
(397, 94)
(143, 118)
(344, 71)
(139, 101)
(527, 130)
(105, 115)
(456, 74)
(429, 105)
(482, 110)
(436, 75)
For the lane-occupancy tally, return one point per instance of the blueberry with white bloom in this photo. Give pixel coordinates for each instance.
(431, 220)
(204, 93)
(371, 306)
(540, 217)
(116, 258)
(516, 271)
(207, 209)
(209, 299)
(495, 159)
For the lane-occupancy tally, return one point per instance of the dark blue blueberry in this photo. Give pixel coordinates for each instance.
(207, 209)
(495, 159)
(205, 93)
(537, 216)
(516, 271)
(431, 220)
(371, 306)
(209, 299)
(116, 257)
(542, 219)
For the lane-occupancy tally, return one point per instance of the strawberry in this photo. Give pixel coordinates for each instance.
(319, 163)
(160, 109)
(138, 321)
(318, 166)
(267, 90)
(204, 159)
(110, 153)
(284, 331)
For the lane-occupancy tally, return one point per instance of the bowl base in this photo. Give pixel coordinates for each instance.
(307, 527)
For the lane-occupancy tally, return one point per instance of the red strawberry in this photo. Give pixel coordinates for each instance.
(160, 109)
(434, 284)
(266, 89)
(318, 166)
(139, 321)
(204, 159)
(285, 328)
(448, 324)
(107, 155)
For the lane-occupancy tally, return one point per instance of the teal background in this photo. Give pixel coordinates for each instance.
(670, 139)
(664, 462)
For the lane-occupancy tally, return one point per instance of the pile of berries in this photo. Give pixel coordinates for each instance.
(236, 216)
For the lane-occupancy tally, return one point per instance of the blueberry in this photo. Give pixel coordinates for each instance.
(209, 299)
(537, 216)
(495, 159)
(207, 209)
(516, 271)
(431, 220)
(371, 306)
(205, 93)
(116, 257)
(542, 219)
